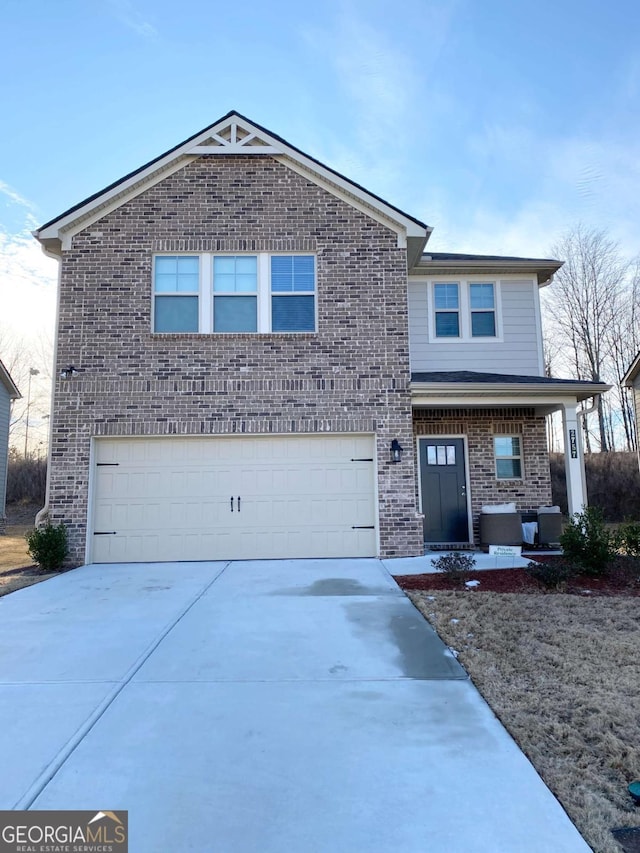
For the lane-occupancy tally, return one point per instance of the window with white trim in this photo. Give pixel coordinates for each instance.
(508, 457)
(482, 304)
(446, 300)
(464, 310)
(216, 293)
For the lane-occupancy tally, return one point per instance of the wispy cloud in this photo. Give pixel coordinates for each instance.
(125, 12)
(14, 196)
(379, 85)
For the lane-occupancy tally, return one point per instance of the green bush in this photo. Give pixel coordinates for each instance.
(455, 566)
(627, 538)
(48, 545)
(587, 542)
(553, 574)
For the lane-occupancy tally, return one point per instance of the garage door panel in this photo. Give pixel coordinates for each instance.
(169, 498)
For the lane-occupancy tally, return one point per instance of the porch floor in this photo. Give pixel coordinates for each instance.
(424, 565)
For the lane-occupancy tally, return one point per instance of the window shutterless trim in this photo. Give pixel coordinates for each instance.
(464, 312)
(263, 295)
(508, 458)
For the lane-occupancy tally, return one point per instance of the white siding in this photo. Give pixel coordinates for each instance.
(516, 354)
(5, 407)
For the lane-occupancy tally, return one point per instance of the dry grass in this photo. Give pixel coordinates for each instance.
(563, 674)
(14, 555)
(13, 547)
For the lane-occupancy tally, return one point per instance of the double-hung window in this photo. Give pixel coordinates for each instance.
(508, 456)
(482, 304)
(215, 293)
(176, 293)
(235, 293)
(446, 298)
(292, 293)
(465, 310)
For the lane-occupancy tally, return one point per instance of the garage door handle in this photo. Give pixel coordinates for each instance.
(238, 503)
(363, 527)
(231, 504)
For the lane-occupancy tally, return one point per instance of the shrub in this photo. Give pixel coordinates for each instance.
(48, 546)
(627, 538)
(455, 566)
(587, 542)
(553, 574)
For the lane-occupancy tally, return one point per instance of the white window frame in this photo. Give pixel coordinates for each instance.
(206, 292)
(520, 458)
(464, 311)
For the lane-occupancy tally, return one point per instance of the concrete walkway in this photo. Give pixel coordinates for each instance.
(258, 707)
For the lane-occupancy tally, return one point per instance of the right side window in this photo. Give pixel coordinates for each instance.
(508, 456)
(482, 304)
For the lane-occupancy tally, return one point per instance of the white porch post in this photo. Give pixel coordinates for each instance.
(573, 457)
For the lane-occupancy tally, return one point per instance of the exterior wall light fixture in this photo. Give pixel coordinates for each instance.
(396, 451)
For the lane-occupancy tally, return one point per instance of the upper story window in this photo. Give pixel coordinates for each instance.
(482, 303)
(464, 311)
(234, 293)
(446, 300)
(176, 288)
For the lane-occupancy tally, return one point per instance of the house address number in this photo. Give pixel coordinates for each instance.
(573, 443)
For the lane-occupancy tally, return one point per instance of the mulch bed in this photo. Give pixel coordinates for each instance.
(518, 581)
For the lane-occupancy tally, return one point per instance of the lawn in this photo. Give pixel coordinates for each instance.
(562, 673)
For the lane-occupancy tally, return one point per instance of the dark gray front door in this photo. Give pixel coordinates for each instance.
(444, 490)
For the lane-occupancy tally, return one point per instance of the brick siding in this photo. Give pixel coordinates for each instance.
(352, 376)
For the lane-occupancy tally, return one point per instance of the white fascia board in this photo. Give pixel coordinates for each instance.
(64, 228)
(483, 267)
(469, 395)
(632, 373)
(9, 384)
(353, 195)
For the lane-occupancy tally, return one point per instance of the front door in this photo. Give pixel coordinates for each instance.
(444, 490)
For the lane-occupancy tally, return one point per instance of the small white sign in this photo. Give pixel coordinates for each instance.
(505, 550)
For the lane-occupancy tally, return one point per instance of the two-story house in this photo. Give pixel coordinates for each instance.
(257, 358)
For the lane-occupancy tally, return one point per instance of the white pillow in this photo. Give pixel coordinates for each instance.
(498, 509)
(548, 510)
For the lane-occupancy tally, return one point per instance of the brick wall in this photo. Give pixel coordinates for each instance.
(352, 376)
(479, 427)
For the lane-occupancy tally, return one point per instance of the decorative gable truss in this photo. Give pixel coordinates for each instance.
(232, 134)
(234, 139)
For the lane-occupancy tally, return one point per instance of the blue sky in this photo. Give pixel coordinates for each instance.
(500, 123)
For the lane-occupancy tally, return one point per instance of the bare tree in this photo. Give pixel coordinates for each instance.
(586, 305)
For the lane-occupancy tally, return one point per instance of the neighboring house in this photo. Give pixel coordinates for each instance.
(8, 393)
(631, 379)
(256, 359)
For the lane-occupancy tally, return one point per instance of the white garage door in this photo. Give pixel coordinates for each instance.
(233, 498)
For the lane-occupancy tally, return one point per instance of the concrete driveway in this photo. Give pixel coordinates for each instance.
(258, 707)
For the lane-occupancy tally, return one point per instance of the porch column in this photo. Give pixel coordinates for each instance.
(573, 458)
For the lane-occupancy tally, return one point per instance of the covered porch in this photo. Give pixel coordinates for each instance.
(480, 439)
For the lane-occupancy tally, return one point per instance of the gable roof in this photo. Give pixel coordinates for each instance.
(632, 373)
(231, 134)
(448, 263)
(9, 384)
